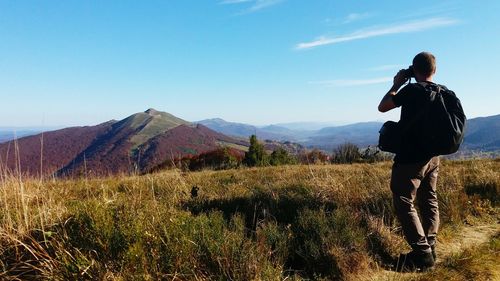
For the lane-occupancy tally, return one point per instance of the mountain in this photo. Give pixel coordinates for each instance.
(361, 134)
(7, 135)
(11, 133)
(229, 128)
(307, 126)
(483, 133)
(51, 151)
(245, 131)
(181, 141)
(137, 142)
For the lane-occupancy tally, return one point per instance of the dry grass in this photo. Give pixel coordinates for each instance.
(288, 222)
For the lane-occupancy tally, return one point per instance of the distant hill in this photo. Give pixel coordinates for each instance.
(482, 134)
(361, 134)
(7, 135)
(10, 133)
(307, 126)
(244, 130)
(137, 142)
(229, 128)
(326, 138)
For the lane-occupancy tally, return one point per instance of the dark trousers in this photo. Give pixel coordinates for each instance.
(417, 181)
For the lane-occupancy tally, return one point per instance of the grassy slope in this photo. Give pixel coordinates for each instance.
(320, 222)
(152, 125)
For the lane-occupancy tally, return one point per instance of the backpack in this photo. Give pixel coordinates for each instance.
(442, 126)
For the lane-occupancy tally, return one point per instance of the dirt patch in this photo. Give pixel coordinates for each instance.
(466, 237)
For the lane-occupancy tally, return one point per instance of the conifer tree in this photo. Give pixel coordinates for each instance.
(256, 155)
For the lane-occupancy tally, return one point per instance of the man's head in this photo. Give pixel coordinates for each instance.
(424, 66)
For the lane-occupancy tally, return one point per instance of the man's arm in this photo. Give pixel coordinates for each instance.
(387, 103)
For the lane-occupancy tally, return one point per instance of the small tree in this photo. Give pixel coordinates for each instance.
(346, 153)
(281, 157)
(256, 155)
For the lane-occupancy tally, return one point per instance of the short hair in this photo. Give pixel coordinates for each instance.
(425, 63)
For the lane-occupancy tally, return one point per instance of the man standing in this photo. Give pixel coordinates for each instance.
(415, 171)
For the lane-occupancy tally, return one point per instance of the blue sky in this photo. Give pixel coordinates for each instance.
(254, 61)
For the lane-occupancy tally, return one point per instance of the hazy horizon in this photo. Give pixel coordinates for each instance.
(282, 124)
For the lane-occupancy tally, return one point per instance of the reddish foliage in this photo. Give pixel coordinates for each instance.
(180, 142)
(59, 149)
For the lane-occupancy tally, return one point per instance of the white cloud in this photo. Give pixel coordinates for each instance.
(234, 1)
(355, 17)
(352, 82)
(256, 5)
(413, 26)
(261, 4)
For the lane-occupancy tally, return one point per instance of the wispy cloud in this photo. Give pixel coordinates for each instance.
(355, 17)
(352, 82)
(234, 1)
(413, 26)
(261, 4)
(256, 5)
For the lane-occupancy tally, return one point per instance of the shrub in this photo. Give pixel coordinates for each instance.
(346, 153)
(281, 157)
(315, 156)
(220, 159)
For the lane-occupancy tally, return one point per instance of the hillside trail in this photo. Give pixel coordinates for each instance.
(466, 237)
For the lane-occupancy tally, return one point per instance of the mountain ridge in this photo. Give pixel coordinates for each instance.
(482, 133)
(111, 147)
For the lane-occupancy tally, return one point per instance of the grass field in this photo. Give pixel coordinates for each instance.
(322, 222)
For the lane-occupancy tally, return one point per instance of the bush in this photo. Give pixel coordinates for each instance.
(315, 156)
(220, 159)
(346, 153)
(281, 157)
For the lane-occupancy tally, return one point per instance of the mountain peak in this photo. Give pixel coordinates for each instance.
(152, 111)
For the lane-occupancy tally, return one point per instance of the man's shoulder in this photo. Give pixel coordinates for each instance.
(429, 85)
(414, 87)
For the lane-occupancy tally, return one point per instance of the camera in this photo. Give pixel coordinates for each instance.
(409, 72)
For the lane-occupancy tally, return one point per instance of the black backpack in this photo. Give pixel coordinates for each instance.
(442, 124)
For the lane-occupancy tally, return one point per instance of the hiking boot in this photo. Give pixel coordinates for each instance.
(415, 261)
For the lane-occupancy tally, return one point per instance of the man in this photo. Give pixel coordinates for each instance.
(415, 171)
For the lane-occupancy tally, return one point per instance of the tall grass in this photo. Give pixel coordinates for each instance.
(273, 223)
